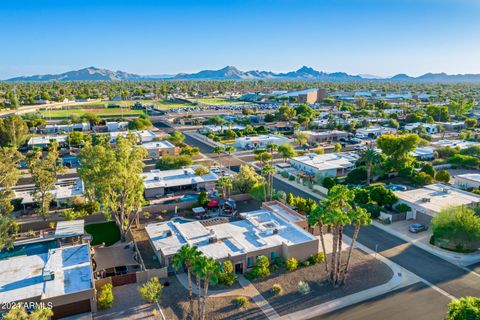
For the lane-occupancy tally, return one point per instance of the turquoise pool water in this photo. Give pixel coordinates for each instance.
(189, 198)
(181, 220)
(29, 249)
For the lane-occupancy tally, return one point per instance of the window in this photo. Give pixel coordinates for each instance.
(273, 255)
(249, 262)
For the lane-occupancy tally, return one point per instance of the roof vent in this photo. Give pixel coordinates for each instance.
(168, 233)
(156, 178)
(275, 231)
(48, 275)
(212, 240)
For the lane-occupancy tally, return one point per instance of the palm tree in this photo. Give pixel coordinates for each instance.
(208, 270)
(371, 158)
(359, 217)
(318, 218)
(218, 150)
(226, 185)
(268, 171)
(186, 257)
(229, 150)
(272, 147)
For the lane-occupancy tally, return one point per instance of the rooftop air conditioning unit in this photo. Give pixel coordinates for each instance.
(156, 178)
(212, 239)
(275, 231)
(426, 199)
(48, 275)
(168, 233)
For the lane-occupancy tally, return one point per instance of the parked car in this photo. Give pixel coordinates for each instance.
(417, 227)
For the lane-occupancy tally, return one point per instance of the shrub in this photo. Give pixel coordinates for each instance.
(467, 161)
(278, 261)
(291, 178)
(373, 209)
(402, 208)
(383, 196)
(241, 301)
(464, 308)
(105, 297)
(277, 289)
(285, 174)
(442, 176)
(303, 287)
(291, 264)
(261, 268)
(317, 258)
(329, 182)
(306, 263)
(476, 191)
(428, 169)
(151, 290)
(227, 276)
(422, 179)
(357, 175)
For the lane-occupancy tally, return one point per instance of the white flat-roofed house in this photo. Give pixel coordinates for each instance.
(453, 125)
(468, 181)
(430, 128)
(161, 182)
(60, 276)
(113, 126)
(221, 129)
(45, 140)
(157, 149)
(374, 132)
(461, 144)
(327, 165)
(428, 201)
(260, 232)
(261, 141)
(64, 191)
(325, 136)
(143, 135)
(424, 153)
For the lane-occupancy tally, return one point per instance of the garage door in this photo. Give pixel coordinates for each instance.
(423, 218)
(71, 309)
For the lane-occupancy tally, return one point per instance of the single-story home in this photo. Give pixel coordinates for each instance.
(327, 165)
(468, 181)
(261, 141)
(157, 149)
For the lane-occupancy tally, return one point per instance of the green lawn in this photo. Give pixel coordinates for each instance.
(107, 233)
(216, 101)
(101, 112)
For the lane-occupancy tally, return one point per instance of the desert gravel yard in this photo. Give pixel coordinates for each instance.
(366, 272)
(174, 305)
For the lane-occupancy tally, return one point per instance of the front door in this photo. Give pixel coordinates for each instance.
(239, 268)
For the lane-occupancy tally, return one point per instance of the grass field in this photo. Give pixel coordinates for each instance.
(101, 112)
(216, 101)
(107, 233)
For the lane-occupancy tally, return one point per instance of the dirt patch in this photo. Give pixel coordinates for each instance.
(366, 272)
(145, 248)
(175, 304)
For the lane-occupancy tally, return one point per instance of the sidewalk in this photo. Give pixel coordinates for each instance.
(401, 278)
(460, 259)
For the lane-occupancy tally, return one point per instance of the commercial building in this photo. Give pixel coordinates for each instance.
(325, 136)
(45, 140)
(327, 165)
(374, 132)
(260, 141)
(60, 277)
(161, 182)
(313, 95)
(428, 201)
(468, 181)
(271, 232)
(157, 149)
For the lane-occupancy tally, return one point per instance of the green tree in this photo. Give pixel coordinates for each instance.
(226, 184)
(287, 151)
(151, 291)
(168, 162)
(338, 147)
(301, 138)
(398, 148)
(186, 257)
(383, 196)
(105, 296)
(371, 158)
(246, 178)
(176, 137)
(9, 174)
(13, 131)
(457, 228)
(442, 176)
(229, 150)
(75, 138)
(209, 271)
(201, 171)
(466, 308)
(268, 172)
(44, 171)
(117, 184)
(19, 313)
(471, 122)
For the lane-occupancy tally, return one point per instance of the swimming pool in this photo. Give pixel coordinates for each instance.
(181, 220)
(28, 249)
(189, 198)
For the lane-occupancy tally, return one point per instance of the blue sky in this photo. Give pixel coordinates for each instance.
(381, 37)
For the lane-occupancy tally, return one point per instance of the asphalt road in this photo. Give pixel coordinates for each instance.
(417, 301)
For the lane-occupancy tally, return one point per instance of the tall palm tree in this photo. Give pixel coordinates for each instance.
(272, 147)
(268, 171)
(318, 218)
(359, 217)
(226, 184)
(186, 257)
(371, 158)
(208, 270)
(218, 150)
(229, 150)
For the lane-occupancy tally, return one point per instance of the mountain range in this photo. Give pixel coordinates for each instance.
(232, 73)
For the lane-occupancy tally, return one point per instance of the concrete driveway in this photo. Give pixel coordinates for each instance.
(127, 305)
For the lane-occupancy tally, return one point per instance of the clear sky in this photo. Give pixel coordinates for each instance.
(380, 37)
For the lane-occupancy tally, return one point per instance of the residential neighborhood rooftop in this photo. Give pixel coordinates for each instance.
(177, 177)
